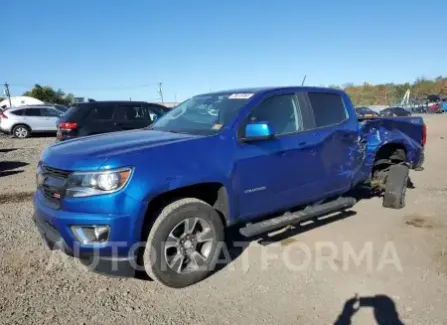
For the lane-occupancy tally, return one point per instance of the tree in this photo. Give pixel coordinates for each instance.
(49, 95)
(390, 93)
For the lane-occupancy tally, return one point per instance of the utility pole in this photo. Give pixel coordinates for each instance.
(7, 93)
(160, 91)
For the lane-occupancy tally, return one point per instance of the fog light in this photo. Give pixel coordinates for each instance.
(91, 234)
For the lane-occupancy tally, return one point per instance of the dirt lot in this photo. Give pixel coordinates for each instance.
(285, 282)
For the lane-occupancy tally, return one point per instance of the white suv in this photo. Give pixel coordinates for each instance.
(24, 120)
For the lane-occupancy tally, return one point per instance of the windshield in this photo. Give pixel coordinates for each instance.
(203, 114)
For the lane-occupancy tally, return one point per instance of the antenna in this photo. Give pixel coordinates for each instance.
(304, 79)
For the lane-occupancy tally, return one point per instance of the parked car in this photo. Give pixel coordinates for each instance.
(22, 121)
(365, 112)
(249, 157)
(106, 116)
(434, 104)
(444, 104)
(61, 108)
(435, 107)
(395, 111)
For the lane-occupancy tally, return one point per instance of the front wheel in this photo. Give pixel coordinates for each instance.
(184, 243)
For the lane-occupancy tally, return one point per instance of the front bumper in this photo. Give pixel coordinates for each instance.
(111, 258)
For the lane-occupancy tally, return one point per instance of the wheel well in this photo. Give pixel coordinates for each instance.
(215, 194)
(388, 155)
(391, 153)
(24, 124)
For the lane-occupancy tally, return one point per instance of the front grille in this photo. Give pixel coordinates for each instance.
(54, 184)
(54, 172)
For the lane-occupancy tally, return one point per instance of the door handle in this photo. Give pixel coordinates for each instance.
(310, 148)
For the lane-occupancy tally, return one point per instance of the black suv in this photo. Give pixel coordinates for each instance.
(106, 116)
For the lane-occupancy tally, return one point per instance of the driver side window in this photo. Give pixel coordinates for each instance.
(282, 111)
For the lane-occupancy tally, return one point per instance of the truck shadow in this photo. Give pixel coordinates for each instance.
(7, 150)
(384, 309)
(236, 244)
(6, 167)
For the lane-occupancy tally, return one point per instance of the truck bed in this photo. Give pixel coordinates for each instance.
(407, 133)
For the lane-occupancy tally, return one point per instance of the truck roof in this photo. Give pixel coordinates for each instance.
(260, 90)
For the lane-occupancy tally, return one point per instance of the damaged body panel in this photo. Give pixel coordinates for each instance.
(406, 134)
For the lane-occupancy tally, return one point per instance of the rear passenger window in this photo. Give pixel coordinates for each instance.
(101, 112)
(19, 112)
(32, 112)
(328, 109)
(133, 113)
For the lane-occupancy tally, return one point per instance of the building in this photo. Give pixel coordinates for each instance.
(20, 101)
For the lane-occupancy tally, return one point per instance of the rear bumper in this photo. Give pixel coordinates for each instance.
(420, 162)
(5, 129)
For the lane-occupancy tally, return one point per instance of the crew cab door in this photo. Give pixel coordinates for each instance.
(335, 134)
(275, 174)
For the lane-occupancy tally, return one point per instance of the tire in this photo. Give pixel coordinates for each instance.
(21, 131)
(170, 221)
(396, 187)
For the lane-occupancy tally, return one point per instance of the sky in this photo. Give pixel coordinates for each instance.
(118, 49)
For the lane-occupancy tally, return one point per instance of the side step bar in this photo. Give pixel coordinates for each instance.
(254, 229)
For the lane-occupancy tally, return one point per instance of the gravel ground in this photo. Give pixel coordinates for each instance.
(407, 274)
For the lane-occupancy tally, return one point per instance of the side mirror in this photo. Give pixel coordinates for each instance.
(257, 131)
(153, 117)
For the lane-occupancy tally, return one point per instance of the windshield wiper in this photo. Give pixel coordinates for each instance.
(177, 132)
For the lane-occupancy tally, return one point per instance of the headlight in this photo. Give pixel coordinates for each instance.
(81, 184)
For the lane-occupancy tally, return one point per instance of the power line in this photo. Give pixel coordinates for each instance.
(160, 90)
(7, 93)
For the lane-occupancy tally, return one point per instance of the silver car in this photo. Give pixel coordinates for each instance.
(24, 120)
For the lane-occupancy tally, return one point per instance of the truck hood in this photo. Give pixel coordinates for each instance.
(91, 152)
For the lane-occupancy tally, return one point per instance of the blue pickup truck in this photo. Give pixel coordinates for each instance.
(158, 199)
